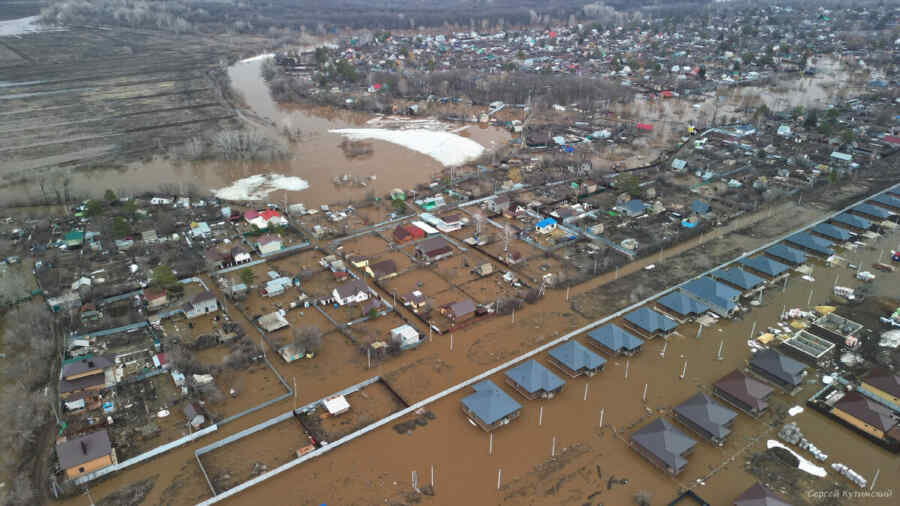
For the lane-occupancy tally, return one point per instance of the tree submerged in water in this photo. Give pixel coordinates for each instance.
(238, 145)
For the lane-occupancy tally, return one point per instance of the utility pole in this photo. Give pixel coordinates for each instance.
(684, 370)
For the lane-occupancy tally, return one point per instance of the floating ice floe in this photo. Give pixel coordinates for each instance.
(449, 149)
(258, 187)
(21, 26)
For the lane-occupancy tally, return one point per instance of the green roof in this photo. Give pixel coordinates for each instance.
(75, 235)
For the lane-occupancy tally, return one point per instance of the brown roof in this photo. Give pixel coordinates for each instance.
(384, 268)
(86, 364)
(462, 308)
(351, 287)
(758, 495)
(745, 388)
(93, 380)
(884, 380)
(86, 448)
(862, 408)
(434, 246)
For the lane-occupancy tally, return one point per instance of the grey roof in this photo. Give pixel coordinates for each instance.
(203, 296)
(739, 278)
(649, 320)
(781, 366)
(699, 207)
(352, 287)
(758, 495)
(576, 356)
(712, 292)
(708, 414)
(664, 441)
(634, 206)
(853, 221)
(489, 403)
(787, 253)
(680, 303)
(888, 200)
(462, 307)
(534, 377)
(75, 452)
(765, 265)
(86, 364)
(832, 232)
(748, 390)
(811, 242)
(870, 210)
(616, 338)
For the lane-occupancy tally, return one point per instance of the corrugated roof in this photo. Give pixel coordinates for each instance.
(812, 243)
(765, 265)
(739, 278)
(616, 338)
(681, 304)
(665, 442)
(712, 292)
(707, 414)
(870, 210)
(534, 377)
(576, 356)
(489, 403)
(853, 221)
(787, 253)
(832, 232)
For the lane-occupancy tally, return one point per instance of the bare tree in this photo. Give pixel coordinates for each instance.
(307, 338)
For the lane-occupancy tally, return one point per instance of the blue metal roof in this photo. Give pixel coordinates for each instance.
(888, 200)
(649, 320)
(699, 207)
(787, 253)
(870, 210)
(681, 304)
(765, 265)
(853, 221)
(713, 293)
(546, 222)
(534, 377)
(811, 242)
(739, 278)
(832, 232)
(634, 206)
(576, 356)
(616, 338)
(490, 403)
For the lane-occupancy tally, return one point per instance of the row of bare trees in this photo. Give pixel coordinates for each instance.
(234, 145)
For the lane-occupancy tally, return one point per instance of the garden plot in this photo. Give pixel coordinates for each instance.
(367, 406)
(419, 279)
(488, 289)
(366, 245)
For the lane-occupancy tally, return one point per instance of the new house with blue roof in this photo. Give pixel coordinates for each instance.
(721, 298)
(869, 211)
(490, 407)
(739, 278)
(852, 221)
(680, 306)
(888, 201)
(809, 242)
(650, 323)
(615, 340)
(786, 254)
(633, 208)
(574, 359)
(831, 232)
(765, 266)
(534, 381)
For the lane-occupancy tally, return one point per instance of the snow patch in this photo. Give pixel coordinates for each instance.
(264, 56)
(805, 465)
(449, 149)
(258, 187)
(21, 26)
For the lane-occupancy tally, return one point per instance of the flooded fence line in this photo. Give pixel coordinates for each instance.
(521, 358)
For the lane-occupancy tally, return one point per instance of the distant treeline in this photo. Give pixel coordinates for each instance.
(324, 16)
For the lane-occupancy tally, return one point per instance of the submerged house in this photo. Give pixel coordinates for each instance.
(574, 359)
(663, 446)
(615, 340)
(490, 407)
(764, 266)
(743, 392)
(787, 255)
(650, 323)
(758, 495)
(721, 298)
(778, 369)
(706, 418)
(867, 416)
(884, 384)
(739, 279)
(680, 305)
(852, 222)
(533, 380)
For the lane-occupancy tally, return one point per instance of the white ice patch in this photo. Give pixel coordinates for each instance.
(449, 149)
(805, 465)
(264, 56)
(21, 26)
(258, 187)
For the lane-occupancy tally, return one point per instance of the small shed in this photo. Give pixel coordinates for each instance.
(405, 336)
(336, 405)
